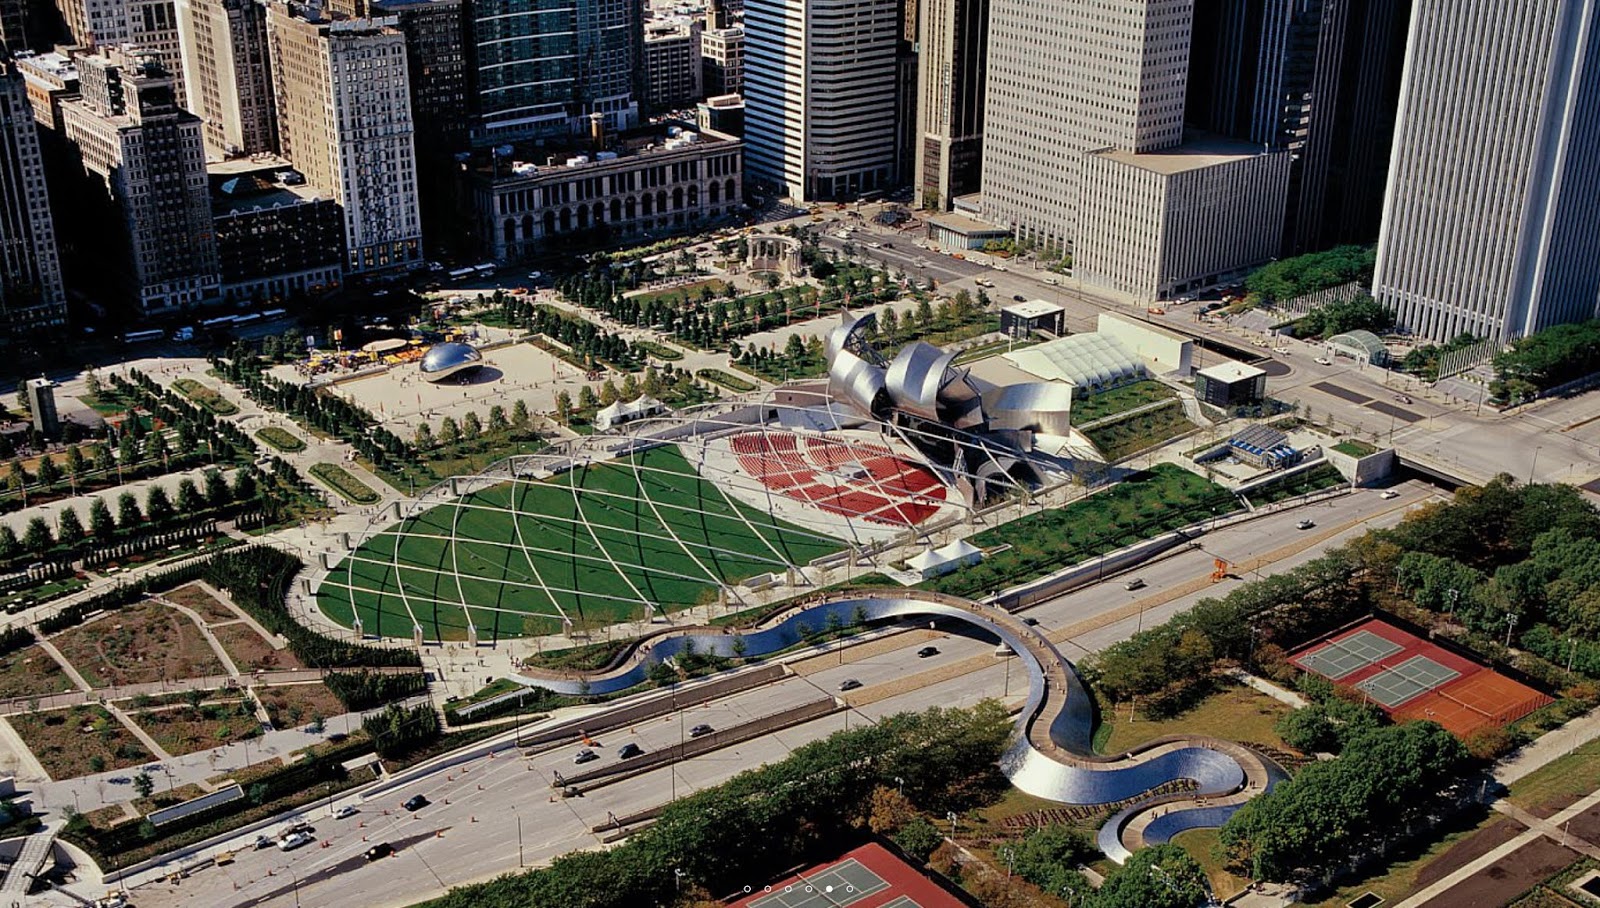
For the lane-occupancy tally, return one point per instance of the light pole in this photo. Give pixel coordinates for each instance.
(295, 878)
(1511, 622)
(520, 862)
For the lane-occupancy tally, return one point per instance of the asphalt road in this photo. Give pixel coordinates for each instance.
(499, 813)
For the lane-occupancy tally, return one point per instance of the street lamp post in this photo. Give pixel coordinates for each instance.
(1511, 622)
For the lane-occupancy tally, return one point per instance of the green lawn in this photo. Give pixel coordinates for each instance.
(627, 535)
(1119, 400)
(280, 439)
(1559, 782)
(1234, 712)
(1355, 447)
(341, 481)
(205, 396)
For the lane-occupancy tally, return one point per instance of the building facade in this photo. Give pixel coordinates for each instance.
(31, 292)
(722, 60)
(150, 25)
(541, 67)
(147, 154)
(1490, 221)
(49, 79)
(953, 51)
(658, 186)
(1157, 225)
(276, 237)
(821, 82)
(672, 67)
(342, 91)
(224, 46)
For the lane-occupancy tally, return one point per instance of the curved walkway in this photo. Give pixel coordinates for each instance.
(1051, 756)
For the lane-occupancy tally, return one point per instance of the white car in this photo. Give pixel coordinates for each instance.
(1389, 494)
(294, 840)
(1324, 361)
(874, 245)
(345, 812)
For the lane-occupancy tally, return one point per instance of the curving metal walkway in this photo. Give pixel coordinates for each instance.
(1050, 757)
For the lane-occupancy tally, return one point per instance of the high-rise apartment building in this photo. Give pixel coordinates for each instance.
(436, 61)
(952, 55)
(1085, 151)
(672, 76)
(145, 152)
(224, 44)
(1318, 78)
(821, 79)
(31, 294)
(343, 96)
(722, 60)
(1491, 224)
(150, 25)
(541, 67)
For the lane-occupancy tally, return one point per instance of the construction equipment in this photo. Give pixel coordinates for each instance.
(1219, 570)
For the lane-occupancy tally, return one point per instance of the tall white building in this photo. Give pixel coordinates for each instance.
(344, 119)
(820, 82)
(224, 45)
(1491, 221)
(31, 294)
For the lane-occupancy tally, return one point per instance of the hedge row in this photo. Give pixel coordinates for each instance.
(366, 689)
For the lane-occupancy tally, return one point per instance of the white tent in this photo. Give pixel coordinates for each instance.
(943, 560)
(627, 411)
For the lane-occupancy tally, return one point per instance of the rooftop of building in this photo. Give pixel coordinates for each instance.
(524, 159)
(257, 183)
(966, 225)
(724, 102)
(53, 64)
(1033, 309)
(1198, 151)
(1231, 371)
(668, 29)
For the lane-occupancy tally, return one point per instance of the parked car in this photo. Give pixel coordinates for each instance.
(1324, 361)
(263, 842)
(415, 802)
(849, 684)
(1306, 524)
(1136, 583)
(629, 751)
(345, 812)
(1019, 297)
(700, 731)
(584, 756)
(1030, 621)
(1389, 493)
(294, 840)
(1403, 398)
(927, 651)
(380, 850)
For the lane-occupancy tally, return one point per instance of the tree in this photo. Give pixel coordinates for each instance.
(449, 432)
(630, 387)
(101, 524)
(156, 446)
(190, 501)
(652, 382)
(519, 414)
(143, 785)
(1161, 876)
(586, 398)
(70, 527)
(49, 471)
(158, 506)
(889, 810)
(217, 493)
(244, 486)
(128, 513)
(471, 427)
(37, 539)
(104, 460)
(924, 312)
(423, 438)
(608, 393)
(563, 406)
(497, 419)
(889, 323)
(794, 348)
(918, 838)
(76, 462)
(127, 450)
(1049, 855)
(10, 547)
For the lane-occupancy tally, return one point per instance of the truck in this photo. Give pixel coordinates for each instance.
(137, 337)
(185, 333)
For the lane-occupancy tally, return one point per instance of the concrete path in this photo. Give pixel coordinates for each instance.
(134, 729)
(66, 666)
(1554, 831)
(1558, 743)
(27, 767)
(211, 639)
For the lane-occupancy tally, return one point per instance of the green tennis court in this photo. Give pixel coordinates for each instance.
(1399, 683)
(600, 544)
(1344, 657)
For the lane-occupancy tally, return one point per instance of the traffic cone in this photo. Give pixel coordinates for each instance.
(474, 818)
(438, 833)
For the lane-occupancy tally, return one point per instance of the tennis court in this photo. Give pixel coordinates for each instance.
(842, 884)
(1399, 683)
(1341, 658)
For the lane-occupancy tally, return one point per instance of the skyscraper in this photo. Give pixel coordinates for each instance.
(150, 25)
(344, 119)
(543, 66)
(952, 59)
(224, 44)
(145, 153)
(31, 294)
(820, 86)
(1491, 224)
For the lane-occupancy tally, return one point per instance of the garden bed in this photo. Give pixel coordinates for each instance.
(291, 705)
(78, 741)
(1126, 437)
(1119, 400)
(185, 729)
(1355, 448)
(138, 645)
(659, 351)
(207, 606)
(280, 439)
(206, 396)
(250, 652)
(732, 382)
(31, 672)
(347, 486)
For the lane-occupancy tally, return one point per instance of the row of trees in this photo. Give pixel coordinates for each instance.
(1423, 361)
(1361, 313)
(581, 336)
(366, 689)
(766, 820)
(159, 511)
(670, 385)
(1545, 359)
(401, 730)
(470, 430)
(1288, 278)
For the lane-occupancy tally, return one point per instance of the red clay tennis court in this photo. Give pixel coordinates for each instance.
(1412, 678)
(868, 877)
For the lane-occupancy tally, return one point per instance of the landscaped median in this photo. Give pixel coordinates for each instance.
(205, 396)
(731, 382)
(339, 479)
(280, 439)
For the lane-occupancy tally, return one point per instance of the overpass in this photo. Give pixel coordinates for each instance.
(30, 861)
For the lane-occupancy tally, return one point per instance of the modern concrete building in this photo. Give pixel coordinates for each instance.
(342, 91)
(722, 60)
(952, 61)
(672, 64)
(541, 67)
(1316, 77)
(144, 153)
(1154, 226)
(224, 45)
(31, 293)
(42, 405)
(820, 92)
(1490, 223)
(649, 182)
(276, 236)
